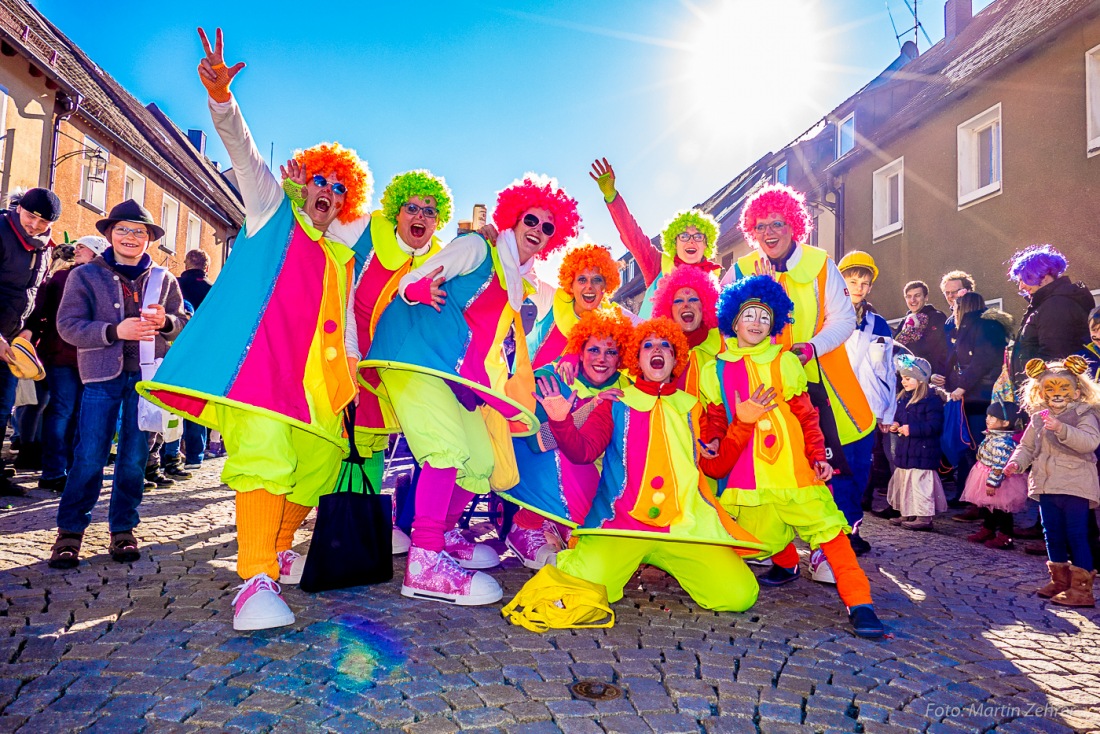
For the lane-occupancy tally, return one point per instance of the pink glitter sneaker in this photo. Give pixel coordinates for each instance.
(438, 577)
(468, 554)
(259, 606)
(291, 565)
(535, 548)
(820, 570)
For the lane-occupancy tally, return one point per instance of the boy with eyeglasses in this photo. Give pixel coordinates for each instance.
(265, 360)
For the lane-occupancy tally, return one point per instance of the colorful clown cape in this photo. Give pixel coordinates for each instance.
(462, 343)
(269, 338)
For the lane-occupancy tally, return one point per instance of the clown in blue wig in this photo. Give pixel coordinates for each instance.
(757, 291)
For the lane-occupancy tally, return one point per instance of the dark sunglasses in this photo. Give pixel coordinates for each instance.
(413, 209)
(337, 187)
(531, 220)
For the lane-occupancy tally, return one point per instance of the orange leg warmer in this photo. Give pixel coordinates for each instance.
(259, 517)
(851, 582)
(293, 516)
(786, 558)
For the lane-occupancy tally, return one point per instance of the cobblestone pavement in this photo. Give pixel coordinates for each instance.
(150, 646)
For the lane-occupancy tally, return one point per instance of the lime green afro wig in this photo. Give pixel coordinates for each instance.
(704, 222)
(420, 183)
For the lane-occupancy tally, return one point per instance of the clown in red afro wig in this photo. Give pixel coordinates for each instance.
(662, 328)
(777, 199)
(589, 257)
(611, 325)
(542, 192)
(688, 276)
(349, 169)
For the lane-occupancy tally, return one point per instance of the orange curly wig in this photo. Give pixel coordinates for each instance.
(665, 328)
(610, 324)
(589, 257)
(350, 170)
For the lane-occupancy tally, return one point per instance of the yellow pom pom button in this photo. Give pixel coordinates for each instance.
(765, 424)
(330, 353)
(658, 497)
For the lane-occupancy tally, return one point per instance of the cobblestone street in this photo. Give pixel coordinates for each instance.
(151, 647)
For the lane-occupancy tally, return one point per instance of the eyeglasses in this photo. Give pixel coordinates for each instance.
(956, 292)
(531, 220)
(136, 232)
(413, 209)
(337, 187)
(776, 226)
(688, 237)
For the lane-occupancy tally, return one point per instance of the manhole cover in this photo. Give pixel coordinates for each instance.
(594, 690)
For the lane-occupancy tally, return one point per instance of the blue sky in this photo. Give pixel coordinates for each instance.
(680, 95)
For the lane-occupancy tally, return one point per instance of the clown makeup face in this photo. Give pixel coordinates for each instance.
(323, 204)
(1094, 332)
(691, 245)
(588, 291)
(531, 232)
(773, 236)
(416, 230)
(687, 310)
(656, 358)
(859, 286)
(909, 384)
(600, 360)
(753, 325)
(1058, 392)
(128, 246)
(916, 299)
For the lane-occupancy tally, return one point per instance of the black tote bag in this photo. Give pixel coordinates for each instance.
(352, 542)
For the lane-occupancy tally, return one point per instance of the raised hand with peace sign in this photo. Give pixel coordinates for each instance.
(213, 73)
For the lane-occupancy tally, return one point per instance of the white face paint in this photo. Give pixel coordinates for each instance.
(753, 325)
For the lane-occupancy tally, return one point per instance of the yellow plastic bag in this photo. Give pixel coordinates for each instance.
(553, 599)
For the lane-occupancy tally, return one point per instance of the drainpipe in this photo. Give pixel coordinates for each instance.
(70, 106)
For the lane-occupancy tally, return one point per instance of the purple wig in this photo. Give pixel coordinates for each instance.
(1031, 265)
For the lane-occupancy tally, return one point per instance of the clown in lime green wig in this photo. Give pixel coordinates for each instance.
(420, 183)
(704, 222)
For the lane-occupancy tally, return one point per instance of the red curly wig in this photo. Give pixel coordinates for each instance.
(589, 257)
(350, 170)
(688, 276)
(542, 192)
(600, 324)
(664, 328)
(781, 200)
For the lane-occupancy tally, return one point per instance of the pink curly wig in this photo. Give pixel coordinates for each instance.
(665, 329)
(688, 276)
(350, 170)
(781, 200)
(542, 192)
(589, 257)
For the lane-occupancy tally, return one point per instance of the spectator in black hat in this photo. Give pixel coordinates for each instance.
(24, 260)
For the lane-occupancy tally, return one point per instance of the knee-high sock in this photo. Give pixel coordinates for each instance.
(851, 582)
(259, 517)
(459, 499)
(786, 558)
(433, 503)
(293, 515)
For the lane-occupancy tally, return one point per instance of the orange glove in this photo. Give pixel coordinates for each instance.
(213, 73)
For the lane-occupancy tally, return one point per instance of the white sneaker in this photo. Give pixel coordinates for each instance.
(291, 566)
(259, 606)
(438, 577)
(401, 542)
(820, 570)
(467, 553)
(535, 548)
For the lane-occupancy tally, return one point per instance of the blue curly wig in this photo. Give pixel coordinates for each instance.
(759, 288)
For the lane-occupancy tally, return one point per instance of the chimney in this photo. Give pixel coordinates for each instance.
(957, 14)
(198, 139)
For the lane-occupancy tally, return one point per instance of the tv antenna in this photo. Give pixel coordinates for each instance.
(914, 29)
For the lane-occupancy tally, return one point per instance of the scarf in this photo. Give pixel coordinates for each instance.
(30, 242)
(130, 272)
(514, 270)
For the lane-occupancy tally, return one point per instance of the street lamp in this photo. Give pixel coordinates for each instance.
(97, 163)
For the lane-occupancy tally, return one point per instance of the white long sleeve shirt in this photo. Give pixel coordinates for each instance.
(465, 254)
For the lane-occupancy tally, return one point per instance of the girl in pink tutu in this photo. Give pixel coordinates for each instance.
(987, 487)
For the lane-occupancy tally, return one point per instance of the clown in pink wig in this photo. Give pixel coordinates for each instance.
(688, 295)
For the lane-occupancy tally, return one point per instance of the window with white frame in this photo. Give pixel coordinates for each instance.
(846, 135)
(194, 232)
(980, 156)
(169, 219)
(133, 186)
(888, 199)
(781, 174)
(93, 178)
(1092, 100)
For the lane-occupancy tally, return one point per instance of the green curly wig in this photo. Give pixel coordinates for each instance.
(420, 183)
(704, 222)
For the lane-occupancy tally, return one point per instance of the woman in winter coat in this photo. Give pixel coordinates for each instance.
(980, 341)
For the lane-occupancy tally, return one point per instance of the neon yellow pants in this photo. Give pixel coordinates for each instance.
(714, 576)
(814, 517)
